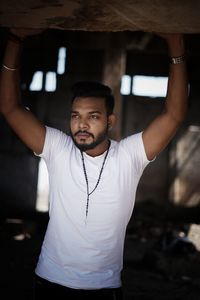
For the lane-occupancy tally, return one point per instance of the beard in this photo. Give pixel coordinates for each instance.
(83, 146)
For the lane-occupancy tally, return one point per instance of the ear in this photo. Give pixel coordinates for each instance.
(111, 121)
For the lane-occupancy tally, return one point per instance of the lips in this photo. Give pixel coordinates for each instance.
(83, 134)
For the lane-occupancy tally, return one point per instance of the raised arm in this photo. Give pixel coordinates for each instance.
(159, 133)
(21, 120)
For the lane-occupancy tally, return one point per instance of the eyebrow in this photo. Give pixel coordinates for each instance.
(90, 112)
(95, 112)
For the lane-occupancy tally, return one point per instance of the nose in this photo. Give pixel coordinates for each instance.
(83, 125)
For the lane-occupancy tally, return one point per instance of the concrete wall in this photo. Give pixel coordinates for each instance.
(184, 160)
(18, 174)
(138, 113)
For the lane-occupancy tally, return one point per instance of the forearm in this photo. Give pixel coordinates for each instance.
(9, 77)
(177, 94)
(162, 129)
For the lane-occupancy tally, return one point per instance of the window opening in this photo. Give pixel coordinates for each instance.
(51, 82)
(61, 60)
(125, 85)
(149, 86)
(37, 80)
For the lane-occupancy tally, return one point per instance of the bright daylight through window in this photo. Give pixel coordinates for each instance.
(148, 86)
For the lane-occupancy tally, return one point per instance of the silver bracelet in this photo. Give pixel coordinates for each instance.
(8, 68)
(177, 60)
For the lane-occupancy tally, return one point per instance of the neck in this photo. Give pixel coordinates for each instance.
(99, 149)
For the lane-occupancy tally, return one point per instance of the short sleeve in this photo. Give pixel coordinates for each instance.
(55, 142)
(134, 147)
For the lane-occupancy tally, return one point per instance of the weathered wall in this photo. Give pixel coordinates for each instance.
(18, 174)
(138, 113)
(185, 153)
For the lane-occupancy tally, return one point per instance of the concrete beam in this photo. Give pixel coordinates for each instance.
(112, 15)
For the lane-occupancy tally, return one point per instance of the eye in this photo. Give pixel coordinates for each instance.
(94, 117)
(74, 116)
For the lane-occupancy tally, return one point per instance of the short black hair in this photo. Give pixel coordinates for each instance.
(94, 89)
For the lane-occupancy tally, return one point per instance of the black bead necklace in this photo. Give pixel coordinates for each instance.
(98, 180)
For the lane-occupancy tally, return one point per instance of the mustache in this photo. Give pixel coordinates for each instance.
(84, 132)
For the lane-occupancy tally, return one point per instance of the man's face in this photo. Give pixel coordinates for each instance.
(89, 122)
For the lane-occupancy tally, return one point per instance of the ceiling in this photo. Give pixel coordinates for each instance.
(111, 15)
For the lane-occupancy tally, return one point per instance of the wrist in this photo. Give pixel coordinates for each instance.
(4, 66)
(174, 60)
(11, 59)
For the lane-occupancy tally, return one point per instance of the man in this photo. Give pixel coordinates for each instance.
(93, 180)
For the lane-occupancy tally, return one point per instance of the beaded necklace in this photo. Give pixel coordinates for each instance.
(86, 177)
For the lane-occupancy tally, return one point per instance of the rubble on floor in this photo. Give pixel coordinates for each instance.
(161, 260)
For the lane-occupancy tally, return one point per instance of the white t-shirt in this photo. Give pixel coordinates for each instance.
(88, 253)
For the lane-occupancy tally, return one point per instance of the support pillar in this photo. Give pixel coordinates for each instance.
(114, 69)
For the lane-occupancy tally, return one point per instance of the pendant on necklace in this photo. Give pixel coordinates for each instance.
(98, 180)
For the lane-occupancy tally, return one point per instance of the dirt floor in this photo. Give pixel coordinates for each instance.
(160, 263)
